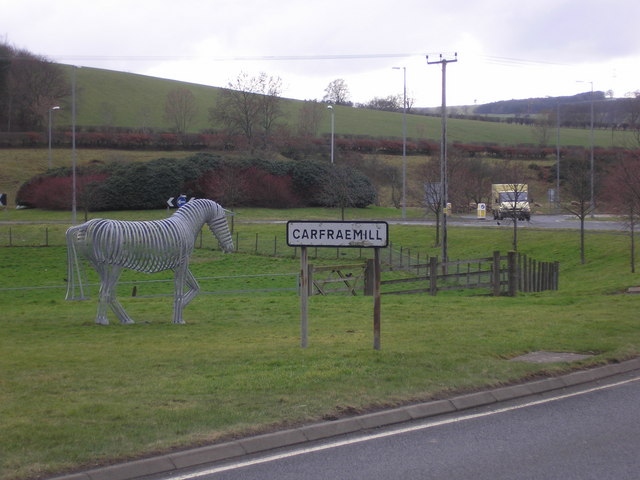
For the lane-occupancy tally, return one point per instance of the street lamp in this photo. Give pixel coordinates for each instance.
(592, 205)
(74, 157)
(330, 107)
(51, 110)
(404, 141)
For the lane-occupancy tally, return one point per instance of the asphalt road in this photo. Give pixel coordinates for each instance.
(570, 222)
(591, 432)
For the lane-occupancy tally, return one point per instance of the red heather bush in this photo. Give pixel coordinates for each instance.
(54, 193)
(267, 190)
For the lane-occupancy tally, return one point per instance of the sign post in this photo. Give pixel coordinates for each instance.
(339, 235)
(304, 296)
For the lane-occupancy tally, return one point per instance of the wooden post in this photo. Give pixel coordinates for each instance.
(376, 300)
(369, 277)
(304, 296)
(513, 273)
(433, 275)
(496, 274)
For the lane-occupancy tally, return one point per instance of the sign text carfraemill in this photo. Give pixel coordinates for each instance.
(337, 234)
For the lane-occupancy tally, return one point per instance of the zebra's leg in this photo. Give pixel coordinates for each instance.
(103, 294)
(180, 275)
(108, 294)
(194, 288)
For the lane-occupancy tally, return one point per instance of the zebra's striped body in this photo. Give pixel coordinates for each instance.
(149, 247)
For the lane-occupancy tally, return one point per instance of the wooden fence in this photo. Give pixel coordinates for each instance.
(500, 274)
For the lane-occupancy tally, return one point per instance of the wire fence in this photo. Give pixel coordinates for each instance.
(25, 235)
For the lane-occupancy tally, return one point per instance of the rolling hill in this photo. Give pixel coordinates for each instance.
(108, 98)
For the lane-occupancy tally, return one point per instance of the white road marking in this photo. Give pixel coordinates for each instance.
(388, 433)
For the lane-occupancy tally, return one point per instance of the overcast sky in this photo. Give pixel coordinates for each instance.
(506, 48)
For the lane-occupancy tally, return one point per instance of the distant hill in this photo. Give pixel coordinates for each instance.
(111, 100)
(533, 106)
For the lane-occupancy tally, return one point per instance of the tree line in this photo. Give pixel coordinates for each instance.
(29, 86)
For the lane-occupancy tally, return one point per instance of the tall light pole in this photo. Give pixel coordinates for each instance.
(404, 141)
(557, 156)
(443, 151)
(51, 110)
(330, 108)
(592, 204)
(74, 159)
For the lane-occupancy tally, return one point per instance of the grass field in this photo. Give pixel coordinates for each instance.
(119, 99)
(75, 395)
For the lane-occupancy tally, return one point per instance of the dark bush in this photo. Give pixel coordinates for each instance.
(245, 182)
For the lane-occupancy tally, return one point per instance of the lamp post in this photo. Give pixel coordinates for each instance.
(330, 108)
(592, 204)
(74, 158)
(51, 110)
(404, 141)
(557, 199)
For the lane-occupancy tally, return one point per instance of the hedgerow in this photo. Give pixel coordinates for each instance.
(252, 182)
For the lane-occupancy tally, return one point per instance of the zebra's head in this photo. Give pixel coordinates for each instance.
(220, 229)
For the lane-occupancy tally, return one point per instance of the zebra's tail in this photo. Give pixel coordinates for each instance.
(75, 271)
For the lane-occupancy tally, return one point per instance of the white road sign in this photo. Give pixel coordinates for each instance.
(337, 234)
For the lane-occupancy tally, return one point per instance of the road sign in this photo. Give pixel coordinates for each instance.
(182, 199)
(337, 234)
(482, 210)
(170, 202)
(306, 234)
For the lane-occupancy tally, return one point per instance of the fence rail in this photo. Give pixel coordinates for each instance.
(501, 274)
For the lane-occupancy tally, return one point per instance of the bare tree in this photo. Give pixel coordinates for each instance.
(622, 191)
(473, 181)
(542, 127)
(433, 193)
(337, 93)
(578, 194)
(309, 118)
(269, 91)
(512, 174)
(250, 106)
(180, 109)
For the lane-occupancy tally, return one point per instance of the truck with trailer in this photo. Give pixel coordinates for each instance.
(510, 200)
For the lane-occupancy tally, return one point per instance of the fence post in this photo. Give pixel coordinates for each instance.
(46, 237)
(309, 278)
(433, 275)
(256, 249)
(369, 280)
(513, 270)
(556, 275)
(495, 280)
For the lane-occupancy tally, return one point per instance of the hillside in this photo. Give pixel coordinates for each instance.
(116, 99)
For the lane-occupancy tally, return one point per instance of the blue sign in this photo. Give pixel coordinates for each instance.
(182, 199)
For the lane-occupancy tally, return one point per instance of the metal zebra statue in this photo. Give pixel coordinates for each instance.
(149, 247)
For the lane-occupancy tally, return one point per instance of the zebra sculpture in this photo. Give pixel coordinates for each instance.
(149, 247)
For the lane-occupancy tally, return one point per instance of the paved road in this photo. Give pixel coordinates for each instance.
(588, 433)
(569, 222)
(599, 223)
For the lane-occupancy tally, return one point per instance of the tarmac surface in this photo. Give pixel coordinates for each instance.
(172, 462)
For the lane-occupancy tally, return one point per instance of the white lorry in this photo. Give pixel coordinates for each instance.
(510, 200)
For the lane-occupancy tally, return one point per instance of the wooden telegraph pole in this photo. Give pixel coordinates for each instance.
(443, 151)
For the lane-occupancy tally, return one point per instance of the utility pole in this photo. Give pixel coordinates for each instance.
(443, 150)
(404, 142)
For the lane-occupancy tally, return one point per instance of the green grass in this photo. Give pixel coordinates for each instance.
(119, 99)
(75, 395)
